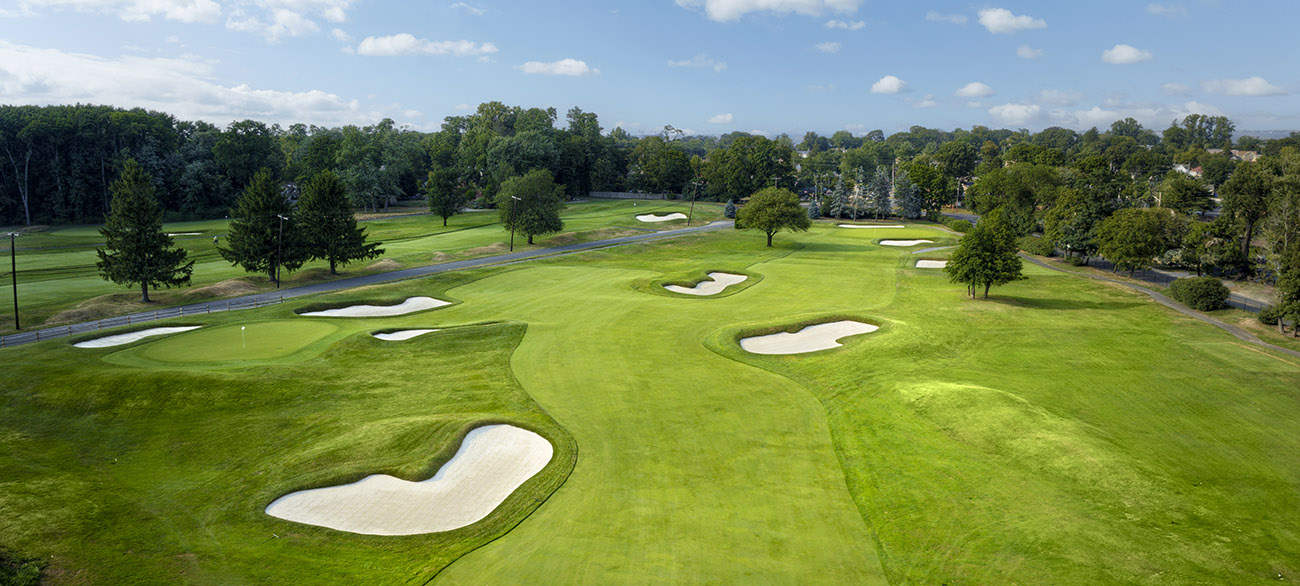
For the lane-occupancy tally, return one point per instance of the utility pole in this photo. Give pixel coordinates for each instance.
(695, 192)
(512, 222)
(13, 272)
(279, 250)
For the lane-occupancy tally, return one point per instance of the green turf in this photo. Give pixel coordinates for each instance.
(1063, 432)
(261, 341)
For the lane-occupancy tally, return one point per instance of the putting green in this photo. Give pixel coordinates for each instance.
(263, 340)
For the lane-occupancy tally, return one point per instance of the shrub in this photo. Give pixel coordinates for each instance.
(1077, 260)
(1200, 293)
(730, 210)
(1036, 245)
(962, 226)
(1269, 315)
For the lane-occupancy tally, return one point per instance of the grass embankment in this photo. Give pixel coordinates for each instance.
(1063, 432)
(58, 282)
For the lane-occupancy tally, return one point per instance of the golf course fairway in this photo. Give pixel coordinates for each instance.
(1063, 431)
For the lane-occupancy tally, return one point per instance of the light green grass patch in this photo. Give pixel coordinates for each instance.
(254, 341)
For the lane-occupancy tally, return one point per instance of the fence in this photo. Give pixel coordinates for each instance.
(138, 318)
(627, 195)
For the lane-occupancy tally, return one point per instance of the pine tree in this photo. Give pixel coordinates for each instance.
(813, 211)
(839, 199)
(327, 226)
(136, 250)
(730, 210)
(879, 193)
(262, 235)
(908, 197)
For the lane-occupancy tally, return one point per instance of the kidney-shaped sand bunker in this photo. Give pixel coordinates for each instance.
(810, 339)
(411, 305)
(716, 283)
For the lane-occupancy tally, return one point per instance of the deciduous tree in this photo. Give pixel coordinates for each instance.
(530, 204)
(986, 257)
(771, 210)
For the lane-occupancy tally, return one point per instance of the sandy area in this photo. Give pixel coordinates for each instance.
(867, 226)
(493, 462)
(931, 264)
(719, 283)
(411, 305)
(904, 242)
(127, 338)
(402, 335)
(657, 218)
(809, 339)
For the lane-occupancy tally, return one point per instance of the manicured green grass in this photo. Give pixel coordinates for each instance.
(1063, 432)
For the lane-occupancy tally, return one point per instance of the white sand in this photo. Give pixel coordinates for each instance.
(720, 282)
(127, 338)
(904, 242)
(809, 339)
(931, 264)
(402, 335)
(657, 218)
(493, 462)
(411, 305)
(867, 226)
(185, 234)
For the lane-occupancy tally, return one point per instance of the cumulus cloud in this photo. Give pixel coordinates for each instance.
(341, 36)
(722, 119)
(179, 86)
(1016, 114)
(139, 10)
(1125, 55)
(1001, 21)
(469, 9)
(888, 84)
(275, 19)
(1175, 89)
(927, 102)
(565, 67)
(846, 25)
(828, 47)
(407, 44)
(1170, 10)
(730, 10)
(1060, 97)
(1027, 52)
(1251, 86)
(974, 89)
(700, 62)
(936, 16)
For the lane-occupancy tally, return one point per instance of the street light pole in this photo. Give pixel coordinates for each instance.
(512, 222)
(695, 192)
(13, 272)
(279, 250)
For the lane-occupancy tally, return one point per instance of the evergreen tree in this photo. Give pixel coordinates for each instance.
(262, 237)
(908, 197)
(136, 250)
(443, 191)
(839, 199)
(326, 225)
(878, 190)
(531, 204)
(730, 210)
(813, 212)
(986, 256)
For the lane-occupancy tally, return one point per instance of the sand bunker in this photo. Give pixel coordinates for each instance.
(411, 305)
(493, 462)
(904, 242)
(809, 339)
(657, 218)
(402, 335)
(720, 282)
(127, 338)
(931, 264)
(867, 226)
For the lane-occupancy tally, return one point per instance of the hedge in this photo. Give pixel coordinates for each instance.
(1200, 293)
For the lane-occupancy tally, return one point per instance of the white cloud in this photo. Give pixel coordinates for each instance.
(927, 102)
(888, 85)
(139, 10)
(179, 86)
(851, 25)
(567, 67)
(275, 19)
(340, 35)
(1170, 10)
(1175, 89)
(974, 89)
(1125, 55)
(936, 16)
(407, 44)
(1027, 52)
(1197, 108)
(1001, 21)
(729, 10)
(700, 62)
(468, 9)
(828, 47)
(1251, 86)
(1060, 97)
(1016, 114)
(722, 119)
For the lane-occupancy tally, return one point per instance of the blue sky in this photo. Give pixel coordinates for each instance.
(707, 66)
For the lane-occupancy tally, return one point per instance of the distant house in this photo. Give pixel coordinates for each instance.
(1243, 156)
(1196, 172)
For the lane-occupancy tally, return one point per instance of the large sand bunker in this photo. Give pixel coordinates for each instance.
(931, 264)
(493, 462)
(658, 218)
(810, 339)
(904, 242)
(411, 305)
(867, 226)
(402, 335)
(720, 282)
(127, 338)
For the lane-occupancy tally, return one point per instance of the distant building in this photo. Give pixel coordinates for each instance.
(1243, 156)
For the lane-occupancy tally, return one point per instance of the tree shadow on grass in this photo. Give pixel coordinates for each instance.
(1058, 303)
